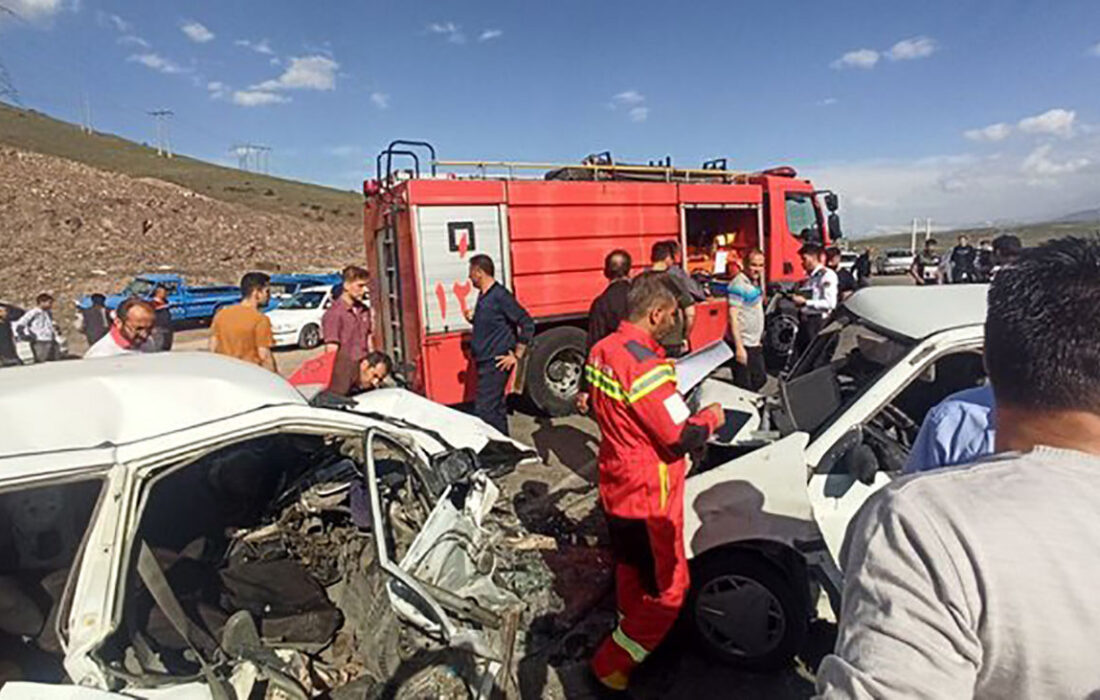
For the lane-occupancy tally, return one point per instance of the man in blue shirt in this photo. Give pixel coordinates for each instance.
(502, 331)
(958, 430)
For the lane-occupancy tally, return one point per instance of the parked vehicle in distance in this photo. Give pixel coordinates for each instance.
(186, 303)
(894, 262)
(22, 345)
(848, 259)
(297, 318)
(768, 506)
(285, 285)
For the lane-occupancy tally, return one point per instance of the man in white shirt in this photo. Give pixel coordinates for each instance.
(37, 325)
(980, 581)
(818, 296)
(134, 322)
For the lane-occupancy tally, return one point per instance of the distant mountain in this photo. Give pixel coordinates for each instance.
(1078, 216)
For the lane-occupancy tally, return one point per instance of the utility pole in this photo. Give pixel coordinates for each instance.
(927, 229)
(164, 143)
(252, 157)
(85, 113)
(913, 237)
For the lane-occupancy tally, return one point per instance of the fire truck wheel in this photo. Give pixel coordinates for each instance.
(555, 368)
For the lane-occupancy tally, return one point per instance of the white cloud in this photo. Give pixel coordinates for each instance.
(304, 73)
(132, 40)
(629, 97)
(197, 32)
(262, 46)
(489, 34)
(275, 61)
(994, 132)
(258, 98)
(1056, 122)
(1094, 50)
(1039, 164)
(157, 62)
(827, 102)
(909, 49)
(106, 19)
(217, 89)
(452, 31)
(32, 10)
(380, 100)
(862, 58)
(638, 114)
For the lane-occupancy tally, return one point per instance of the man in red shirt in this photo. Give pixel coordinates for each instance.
(646, 430)
(346, 329)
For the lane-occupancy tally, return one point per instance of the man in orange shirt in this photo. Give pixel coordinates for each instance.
(242, 330)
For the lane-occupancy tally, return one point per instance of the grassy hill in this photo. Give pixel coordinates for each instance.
(1030, 234)
(33, 131)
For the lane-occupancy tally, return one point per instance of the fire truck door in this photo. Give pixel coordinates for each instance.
(448, 237)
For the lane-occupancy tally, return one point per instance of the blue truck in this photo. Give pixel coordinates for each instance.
(186, 303)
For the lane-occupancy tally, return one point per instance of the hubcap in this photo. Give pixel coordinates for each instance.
(311, 336)
(563, 372)
(740, 616)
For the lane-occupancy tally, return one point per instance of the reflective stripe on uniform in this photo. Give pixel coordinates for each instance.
(636, 651)
(662, 474)
(650, 381)
(598, 379)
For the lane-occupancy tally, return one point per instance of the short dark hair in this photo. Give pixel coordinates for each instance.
(648, 289)
(377, 357)
(814, 249)
(1007, 246)
(354, 273)
(1042, 328)
(617, 264)
(253, 281)
(662, 250)
(43, 298)
(98, 299)
(124, 309)
(484, 263)
(832, 252)
(930, 241)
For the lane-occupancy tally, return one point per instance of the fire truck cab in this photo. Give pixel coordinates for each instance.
(548, 235)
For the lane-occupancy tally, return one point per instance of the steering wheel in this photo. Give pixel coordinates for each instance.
(905, 427)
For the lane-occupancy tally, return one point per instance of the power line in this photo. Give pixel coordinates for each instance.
(164, 143)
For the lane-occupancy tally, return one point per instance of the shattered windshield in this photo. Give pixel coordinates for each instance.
(856, 354)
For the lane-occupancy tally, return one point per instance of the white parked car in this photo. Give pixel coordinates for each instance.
(767, 509)
(297, 318)
(207, 533)
(848, 259)
(895, 262)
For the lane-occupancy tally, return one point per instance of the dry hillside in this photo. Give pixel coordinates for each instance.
(72, 229)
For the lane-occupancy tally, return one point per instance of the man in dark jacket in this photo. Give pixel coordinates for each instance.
(502, 331)
(95, 320)
(607, 310)
(163, 334)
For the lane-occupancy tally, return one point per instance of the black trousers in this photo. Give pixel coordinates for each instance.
(489, 401)
(754, 375)
(809, 325)
(45, 350)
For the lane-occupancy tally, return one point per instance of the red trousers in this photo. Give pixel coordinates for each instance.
(651, 580)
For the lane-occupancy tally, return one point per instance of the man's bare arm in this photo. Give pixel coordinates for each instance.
(267, 359)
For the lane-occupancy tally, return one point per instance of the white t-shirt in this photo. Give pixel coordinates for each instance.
(110, 345)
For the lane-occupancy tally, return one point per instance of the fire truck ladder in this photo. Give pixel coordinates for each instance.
(601, 168)
(390, 266)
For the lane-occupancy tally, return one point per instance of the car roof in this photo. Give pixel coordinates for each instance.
(919, 312)
(79, 404)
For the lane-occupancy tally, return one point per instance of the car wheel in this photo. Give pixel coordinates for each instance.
(745, 611)
(555, 368)
(310, 336)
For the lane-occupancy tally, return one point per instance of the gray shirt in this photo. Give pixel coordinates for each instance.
(980, 581)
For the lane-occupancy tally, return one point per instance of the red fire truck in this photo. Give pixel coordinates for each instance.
(548, 236)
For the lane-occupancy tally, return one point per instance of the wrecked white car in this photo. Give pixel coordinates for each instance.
(187, 525)
(767, 508)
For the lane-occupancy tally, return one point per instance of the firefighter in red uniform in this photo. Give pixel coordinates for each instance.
(646, 430)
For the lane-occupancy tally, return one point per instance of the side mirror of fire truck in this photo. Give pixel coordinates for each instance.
(832, 202)
(834, 226)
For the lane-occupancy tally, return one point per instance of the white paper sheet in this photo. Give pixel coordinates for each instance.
(694, 368)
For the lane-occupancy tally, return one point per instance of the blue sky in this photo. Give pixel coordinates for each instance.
(961, 111)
